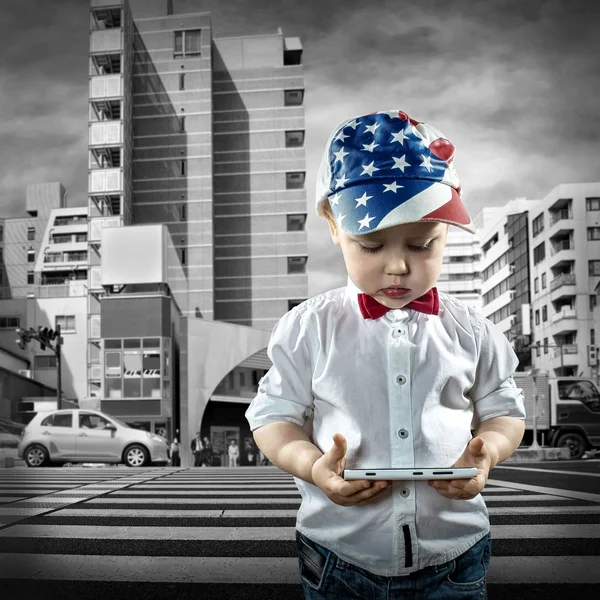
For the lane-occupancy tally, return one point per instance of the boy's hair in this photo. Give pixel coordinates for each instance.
(407, 175)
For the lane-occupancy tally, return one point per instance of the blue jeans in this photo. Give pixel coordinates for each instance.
(325, 576)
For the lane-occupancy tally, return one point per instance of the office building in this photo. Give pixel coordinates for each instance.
(565, 272)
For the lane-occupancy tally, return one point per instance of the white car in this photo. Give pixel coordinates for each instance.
(87, 436)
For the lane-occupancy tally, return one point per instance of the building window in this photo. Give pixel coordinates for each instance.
(183, 256)
(593, 233)
(183, 212)
(592, 337)
(242, 379)
(297, 264)
(182, 168)
(592, 204)
(543, 281)
(537, 317)
(1, 254)
(294, 303)
(10, 322)
(294, 139)
(293, 97)
(537, 225)
(594, 268)
(593, 302)
(296, 222)
(1, 277)
(187, 43)
(539, 253)
(545, 345)
(294, 180)
(544, 313)
(66, 322)
(44, 361)
(181, 124)
(182, 81)
(30, 256)
(1, 233)
(536, 282)
(31, 233)
(30, 278)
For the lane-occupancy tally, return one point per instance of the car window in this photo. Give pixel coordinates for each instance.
(92, 421)
(47, 422)
(584, 391)
(62, 420)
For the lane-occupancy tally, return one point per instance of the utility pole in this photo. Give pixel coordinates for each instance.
(45, 336)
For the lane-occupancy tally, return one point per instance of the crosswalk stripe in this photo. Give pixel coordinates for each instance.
(254, 570)
(258, 533)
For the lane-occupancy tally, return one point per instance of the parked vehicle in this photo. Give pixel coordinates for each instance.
(87, 436)
(568, 411)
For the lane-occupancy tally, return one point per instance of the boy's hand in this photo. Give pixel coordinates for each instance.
(476, 455)
(327, 474)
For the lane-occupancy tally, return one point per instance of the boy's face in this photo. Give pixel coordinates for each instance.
(395, 265)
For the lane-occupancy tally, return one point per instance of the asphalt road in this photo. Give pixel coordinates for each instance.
(219, 533)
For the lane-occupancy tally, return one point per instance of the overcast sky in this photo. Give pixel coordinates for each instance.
(514, 84)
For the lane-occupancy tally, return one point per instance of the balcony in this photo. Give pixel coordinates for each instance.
(562, 286)
(563, 279)
(106, 40)
(106, 134)
(560, 215)
(105, 180)
(565, 313)
(106, 86)
(61, 289)
(562, 253)
(565, 356)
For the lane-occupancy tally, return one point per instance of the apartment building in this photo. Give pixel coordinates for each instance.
(196, 154)
(565, 272)
(44, 270)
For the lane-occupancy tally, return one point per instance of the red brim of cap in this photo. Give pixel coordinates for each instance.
(453, 212)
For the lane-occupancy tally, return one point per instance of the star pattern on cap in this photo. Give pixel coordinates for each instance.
(369, 169)
(426, 162)
(372, 128)
(362, 201)
(399, 137)
(390, 187)
(339, 155)
(370, 147)
(341, 136)
(366, 221)
(335, 199)
(400, 163)
(341, 182)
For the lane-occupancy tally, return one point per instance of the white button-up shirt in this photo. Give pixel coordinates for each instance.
(405, 390)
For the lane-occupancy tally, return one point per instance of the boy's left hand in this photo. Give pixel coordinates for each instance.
(475, 455)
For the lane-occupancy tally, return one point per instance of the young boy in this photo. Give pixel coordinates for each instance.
(396, 374)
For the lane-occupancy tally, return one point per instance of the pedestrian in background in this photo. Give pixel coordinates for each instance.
(234, 454)
(196, 447)
(175, 457)
(207, 452)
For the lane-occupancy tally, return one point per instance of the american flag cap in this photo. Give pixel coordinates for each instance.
(386, 169)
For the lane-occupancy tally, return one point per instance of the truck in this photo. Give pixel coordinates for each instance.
(566, 412)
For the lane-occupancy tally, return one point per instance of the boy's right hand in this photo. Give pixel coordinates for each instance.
(327, 474)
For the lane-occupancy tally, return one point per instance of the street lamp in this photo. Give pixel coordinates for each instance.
(45, 337)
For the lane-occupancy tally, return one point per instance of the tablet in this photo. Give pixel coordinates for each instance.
(413, 474)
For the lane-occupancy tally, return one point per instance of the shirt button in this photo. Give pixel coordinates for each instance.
(405, 492)
(397, 332)
(400, 380)
(402, 433)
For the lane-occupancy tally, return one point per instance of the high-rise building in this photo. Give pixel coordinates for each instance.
(460, 274)
(565, 259)
(505, 273)
(197, 210)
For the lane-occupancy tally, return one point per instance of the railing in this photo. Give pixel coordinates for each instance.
(66, 257)
(565, 313)
(562, 245)
(564, 279)
(64, 221)
(559, 215)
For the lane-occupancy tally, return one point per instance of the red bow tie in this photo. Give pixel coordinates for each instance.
(428, 303)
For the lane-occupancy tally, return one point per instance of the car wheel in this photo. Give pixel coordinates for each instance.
(574, 442)
(36, 456)
(136, 456)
